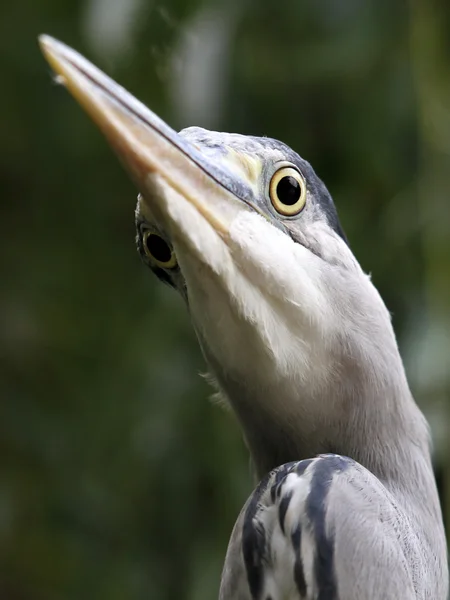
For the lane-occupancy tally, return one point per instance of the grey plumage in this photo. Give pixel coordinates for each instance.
(328, 529)
(299, 343)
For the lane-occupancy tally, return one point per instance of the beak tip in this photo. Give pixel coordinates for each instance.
(48, 47)
(45, 43)
(54, 53)
(53, 50)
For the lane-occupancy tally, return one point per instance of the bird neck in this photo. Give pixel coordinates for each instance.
(384, 431)
(311, 369)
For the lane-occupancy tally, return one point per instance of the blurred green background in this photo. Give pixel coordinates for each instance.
(119, 479)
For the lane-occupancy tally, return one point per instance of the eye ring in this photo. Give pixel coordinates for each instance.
(159, 251)
(287, 191)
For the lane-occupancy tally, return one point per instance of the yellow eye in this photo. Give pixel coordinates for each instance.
(159, 251)
(287, 191)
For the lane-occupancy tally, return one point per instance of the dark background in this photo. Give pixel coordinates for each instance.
(118, 478)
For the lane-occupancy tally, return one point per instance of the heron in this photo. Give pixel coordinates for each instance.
(298, 342)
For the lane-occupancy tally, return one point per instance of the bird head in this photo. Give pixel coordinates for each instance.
(248, 234)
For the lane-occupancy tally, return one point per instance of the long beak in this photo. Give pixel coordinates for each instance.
(147, 146)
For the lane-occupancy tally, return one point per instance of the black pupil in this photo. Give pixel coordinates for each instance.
(288, 190)
(158, 248)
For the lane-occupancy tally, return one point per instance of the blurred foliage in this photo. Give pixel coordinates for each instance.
(118, 478)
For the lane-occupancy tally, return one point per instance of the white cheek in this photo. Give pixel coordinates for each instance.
(287, 271)
(231, 334)
(253, 301)
(295, 316)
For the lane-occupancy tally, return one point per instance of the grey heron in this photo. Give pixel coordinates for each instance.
(299, 343)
